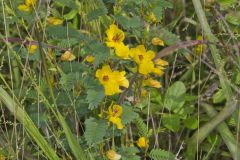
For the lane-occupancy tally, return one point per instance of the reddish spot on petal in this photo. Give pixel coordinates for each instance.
(140, 57)
(105, 78)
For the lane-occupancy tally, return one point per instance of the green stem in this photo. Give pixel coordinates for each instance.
(15, 108)
(225, 133)
(214, 51)
(231, 104)
(206, 129)
(16, 73)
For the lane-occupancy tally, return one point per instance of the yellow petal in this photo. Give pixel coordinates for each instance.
(115, 110)
(146, 67)
(121, 80)
(111, 80)
(111, 88)
(24, 8)
(158, 71)
(114, 36)
(30, 2)
(161, 62)
(157, 41)
(32, 48)
(54, 21)
(151, 17)
(68, 56)
(122, 51)
(89, 59)
(117, 121)
(112, 155)
(152, 83)
(150, 55)
(142, 142)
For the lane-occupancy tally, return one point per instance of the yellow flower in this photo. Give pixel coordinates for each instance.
(157, 41)
(54, 21)
(68, 56)
(142, 142)
(152, 18)
(117, 121)
(32, 48)
(161, 62)
(111, 80)
(30, 2)
(143, 58)
(115, 110)
(114, 36)
(112, 155)
(27, 6)
(89, 59)
(152, 83)
(158, 70)
(199, 48)
(122, 50)
(24, 8)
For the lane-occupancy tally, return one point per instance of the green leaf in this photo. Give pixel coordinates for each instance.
(93, 15)
(68, 81)
(233, 18)
(191, 122)
(226, 3)
(128, 115)
(141, 127)
(129, 153)
(129, 22)
(95, 131)
(73, 143)
(219, 96)
(67, 43)
(27, 123)
(98, 50)
(159, 154)
(70, 15)
(68, 3)
(94, 97)
(64, 32)
(158, 12)
(171, 121)
(175, 96)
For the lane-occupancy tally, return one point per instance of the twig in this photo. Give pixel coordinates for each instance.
(26, 42)
(169, 50)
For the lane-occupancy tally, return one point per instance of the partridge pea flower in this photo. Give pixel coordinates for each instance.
(90, 59)
(160, 64)
(122, 51)
(32, 48)
(111, 80)
(156, 41)
(68, 56)
(54, 21)
(115, 110)
(117, 121)
(152, 83)
(115, 36)
(114, 113)
(142, 142)
(27, 6)
(143, 58)
(112, 155)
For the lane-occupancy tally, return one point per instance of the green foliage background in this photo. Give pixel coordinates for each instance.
(51, 109)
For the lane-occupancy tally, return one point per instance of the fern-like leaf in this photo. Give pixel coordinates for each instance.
(159, 154)
(141, 126)
(95, 131)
